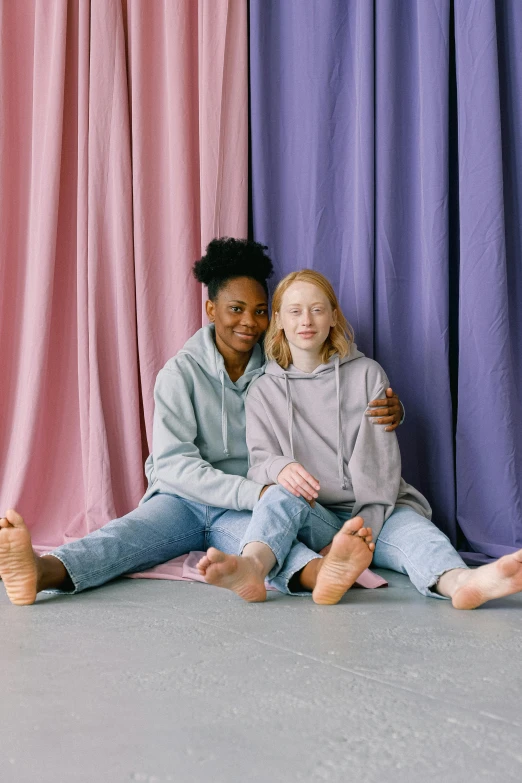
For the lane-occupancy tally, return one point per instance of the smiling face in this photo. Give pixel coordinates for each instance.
(306, 316)
(240, 314)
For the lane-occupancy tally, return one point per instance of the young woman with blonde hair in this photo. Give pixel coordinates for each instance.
(310, 435)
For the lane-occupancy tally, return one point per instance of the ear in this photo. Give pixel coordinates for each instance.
(277, 320)
(210, 309)
(334, 317)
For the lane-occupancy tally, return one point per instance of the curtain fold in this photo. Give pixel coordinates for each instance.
(355, 173)
(312, 117)
(412, 238)
(488, 39)
(123, 150)
(350, 176)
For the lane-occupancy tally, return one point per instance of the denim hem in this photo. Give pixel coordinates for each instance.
(433, 583)
(57, 589)
(431, 580)
(285, 576)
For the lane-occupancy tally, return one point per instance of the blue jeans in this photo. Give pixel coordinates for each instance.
(164, 527)
(408, 542)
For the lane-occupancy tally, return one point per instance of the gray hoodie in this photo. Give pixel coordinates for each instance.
(198, 440)
(318, 419)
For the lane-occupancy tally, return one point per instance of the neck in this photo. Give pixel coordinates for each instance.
(304, 360)
(235, 362)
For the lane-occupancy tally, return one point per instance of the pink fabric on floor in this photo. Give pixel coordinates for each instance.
(183, 567)
(370, 580)
(123, 150)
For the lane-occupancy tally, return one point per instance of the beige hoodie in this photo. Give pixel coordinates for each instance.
(318, 419)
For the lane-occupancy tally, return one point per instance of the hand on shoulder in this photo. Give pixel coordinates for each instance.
(387, 411)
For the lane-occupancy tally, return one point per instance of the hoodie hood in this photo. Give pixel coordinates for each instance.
(293, 374)
(201, 348)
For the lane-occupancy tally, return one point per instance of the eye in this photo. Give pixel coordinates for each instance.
(294, 312)
(235, 309)
(261, 312)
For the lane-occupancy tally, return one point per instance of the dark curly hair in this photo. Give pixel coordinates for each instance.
(227, 258)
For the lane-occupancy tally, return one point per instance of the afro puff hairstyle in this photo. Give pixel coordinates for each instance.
(227, 258)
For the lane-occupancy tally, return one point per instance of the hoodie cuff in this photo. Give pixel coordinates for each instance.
(373, 515)
(276, 466)
(248, 494)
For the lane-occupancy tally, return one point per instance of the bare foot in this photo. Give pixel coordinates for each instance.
(242, 575)
(363, 532)
(494, 580)
(17, 560)
(348, 557)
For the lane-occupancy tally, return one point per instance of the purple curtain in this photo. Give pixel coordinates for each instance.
(386, 144)
(488, 39)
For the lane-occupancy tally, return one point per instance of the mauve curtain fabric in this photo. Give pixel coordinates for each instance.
(358, 171)
(488, 38)
(123, 150)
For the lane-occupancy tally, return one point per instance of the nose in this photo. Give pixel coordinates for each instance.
(305, 318)
(247, 319)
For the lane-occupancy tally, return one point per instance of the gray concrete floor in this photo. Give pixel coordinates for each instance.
(175, 681)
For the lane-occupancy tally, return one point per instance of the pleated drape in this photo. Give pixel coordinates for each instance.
(386, 142)
(350, 177)
(123, 150)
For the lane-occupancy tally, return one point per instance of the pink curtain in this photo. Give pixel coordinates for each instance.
(123, 150)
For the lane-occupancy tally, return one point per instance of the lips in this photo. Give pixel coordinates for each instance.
(306, 334)
(245, 336)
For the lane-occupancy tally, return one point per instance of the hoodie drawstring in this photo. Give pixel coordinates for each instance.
(340, 455)
(289, 414)
(224, 419)
(290, 420)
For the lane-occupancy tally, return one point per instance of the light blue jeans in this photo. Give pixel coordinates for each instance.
(164, 527)
(167, 526)
(408, 542)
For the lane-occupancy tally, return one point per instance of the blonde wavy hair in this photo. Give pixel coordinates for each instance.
(341, 335)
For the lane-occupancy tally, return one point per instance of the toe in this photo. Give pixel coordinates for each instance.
(14, 518)
(352, 526)
(215, 555)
